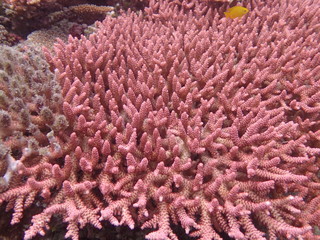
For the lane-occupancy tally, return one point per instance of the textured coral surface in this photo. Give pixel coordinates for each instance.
(174, 116)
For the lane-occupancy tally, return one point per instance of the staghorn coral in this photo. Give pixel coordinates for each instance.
(179, 116)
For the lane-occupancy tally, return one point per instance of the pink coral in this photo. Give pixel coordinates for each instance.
(182, 116)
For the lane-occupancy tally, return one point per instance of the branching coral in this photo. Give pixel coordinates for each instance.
(177, 116)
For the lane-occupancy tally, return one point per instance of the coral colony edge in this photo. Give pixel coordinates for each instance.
(172, 116)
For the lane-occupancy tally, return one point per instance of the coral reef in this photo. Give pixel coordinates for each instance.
(8, 38)
(174, 116)
(27, 85)
(28, 16)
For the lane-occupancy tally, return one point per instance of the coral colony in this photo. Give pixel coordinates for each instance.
(174, 116)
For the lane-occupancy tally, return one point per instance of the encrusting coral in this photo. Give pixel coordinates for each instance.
(175, 115)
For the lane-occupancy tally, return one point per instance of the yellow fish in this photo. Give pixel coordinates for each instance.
(236, 11)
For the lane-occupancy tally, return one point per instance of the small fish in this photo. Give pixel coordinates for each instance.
(236, 11)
